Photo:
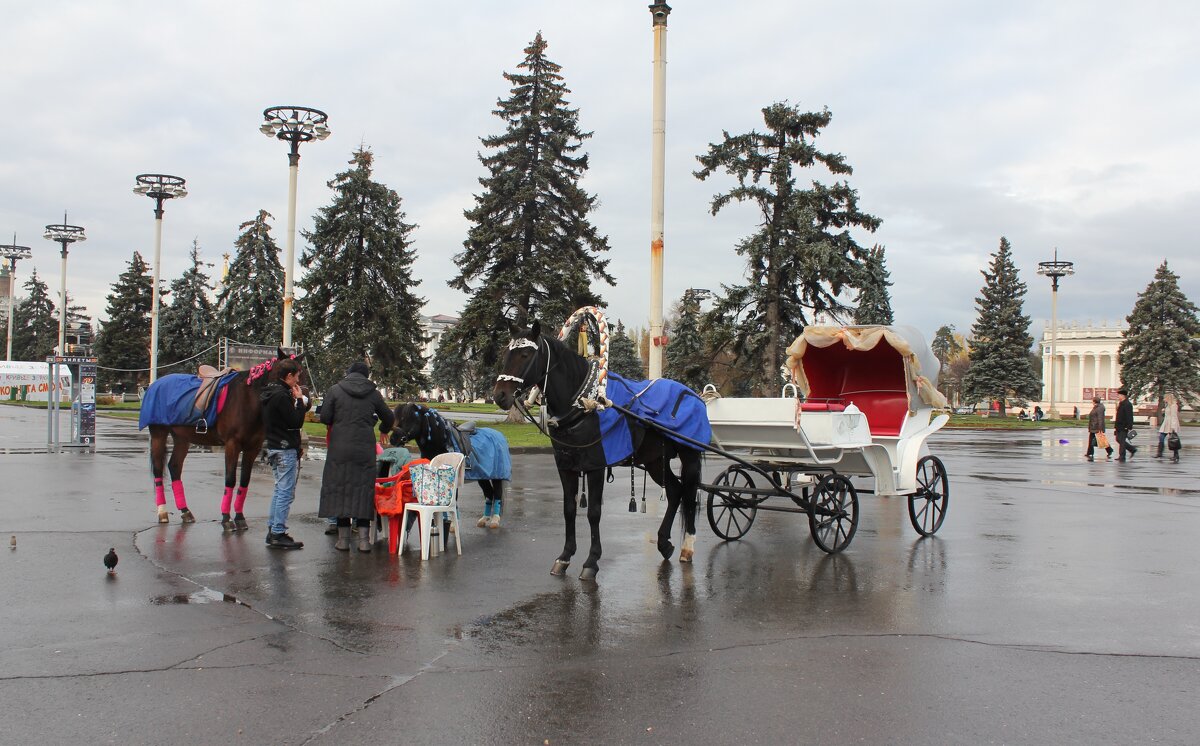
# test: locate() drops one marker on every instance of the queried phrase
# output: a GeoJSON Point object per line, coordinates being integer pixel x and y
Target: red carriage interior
{"type": "Point", "coordinates": [873, 380]}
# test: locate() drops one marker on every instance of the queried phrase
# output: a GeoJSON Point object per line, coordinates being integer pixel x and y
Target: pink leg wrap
{"type": "Point", "coordinates": [240, 501]}
{"type": "Point", "coordinates": [226, 499]}
{"type": "Point", "coordinates": [177, 490]}
{"type": "Point", "coordinates": [160, 495]}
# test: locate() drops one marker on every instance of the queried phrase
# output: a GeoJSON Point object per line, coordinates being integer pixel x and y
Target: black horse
{"type": "Point", "coordinates": [560, 373]}
{"type": "Point", "coordinates": [435, 436]}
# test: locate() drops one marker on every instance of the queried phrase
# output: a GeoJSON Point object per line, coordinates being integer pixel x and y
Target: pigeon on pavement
{"type": "Point", "coordinates": [110, 560]}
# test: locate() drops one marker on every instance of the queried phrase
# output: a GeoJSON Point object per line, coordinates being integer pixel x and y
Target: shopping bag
{"type": "Point", "coordinates": [1101, 440]}
{"type": "Point", "coordinates": [433, 486]}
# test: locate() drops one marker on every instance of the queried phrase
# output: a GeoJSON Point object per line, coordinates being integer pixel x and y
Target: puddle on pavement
{"type": "Point", "coordinates": [202, 596]}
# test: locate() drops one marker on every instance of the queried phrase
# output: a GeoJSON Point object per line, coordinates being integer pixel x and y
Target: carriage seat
{"type": "Point", "coordinates": [885, 410]}
{"type": "Point", "coordinates": [822, 406]}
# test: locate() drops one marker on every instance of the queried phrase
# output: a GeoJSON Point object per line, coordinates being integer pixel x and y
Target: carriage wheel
{"type": "Point", "coordinates": [927, 506]}
{"type": "Point", "coordinates": [729, 515]}
{"type": "Point", "coordinates": [833, 515]}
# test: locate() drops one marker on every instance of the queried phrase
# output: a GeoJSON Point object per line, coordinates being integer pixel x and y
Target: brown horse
{"type": "Point", "coordinates": [239, 428]}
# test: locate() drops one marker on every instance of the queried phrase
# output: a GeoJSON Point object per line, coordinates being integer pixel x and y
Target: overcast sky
{"type": "Point", "coordinates": [1064, 124]}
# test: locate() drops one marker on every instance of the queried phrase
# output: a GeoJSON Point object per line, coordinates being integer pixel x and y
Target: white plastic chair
{"type": "Point", "coordinates": [427, 514]}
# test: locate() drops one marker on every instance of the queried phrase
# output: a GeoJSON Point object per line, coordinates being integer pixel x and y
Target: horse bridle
{"type": "Point", "coordinates": [521, 343]}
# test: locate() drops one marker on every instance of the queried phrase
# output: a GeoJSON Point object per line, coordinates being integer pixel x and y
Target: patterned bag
{"type": "Point", "coordinates": [433, 486]}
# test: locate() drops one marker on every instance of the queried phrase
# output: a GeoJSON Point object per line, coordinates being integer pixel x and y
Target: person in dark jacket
{"type": "Point", "coordinates": [1123, 424]}
{"type": "Point", "coordinates": [284, 405]}
{"type": "Point", "coordinates": [350, 409]}
{"type": "Point", "coordinates": [1096, 426]}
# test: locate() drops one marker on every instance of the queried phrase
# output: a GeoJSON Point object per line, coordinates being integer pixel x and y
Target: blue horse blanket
{"type": "Point", "coordinates": [171, 401]}
{"type": "Point", "coordinates": [670, 404]}
{"type": "Point", "coordinates": [489, 457]}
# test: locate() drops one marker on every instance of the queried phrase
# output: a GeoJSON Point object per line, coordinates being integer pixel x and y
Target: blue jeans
{"type": "Point", "coordinates": [285, 465]}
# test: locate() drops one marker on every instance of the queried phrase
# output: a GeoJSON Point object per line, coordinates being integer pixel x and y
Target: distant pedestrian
{"type": "Point", "coordinates": [1038, 415]}
{"type": "Point", "coordinates": [1096, 428]}
{"type": "Point", "coordinates": [351, 408]}
{"type": "Point", "coordinates": [284, 406]}
{"type": "Point", "coordinates": [1076, 413]}
{"type": "Point", "coordinates": [1169, 427]}
{"type": "Point", "coordinates": [1123, 425]}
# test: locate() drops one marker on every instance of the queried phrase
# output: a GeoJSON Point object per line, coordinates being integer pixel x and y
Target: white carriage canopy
{"type": "Point", "coordinates": [831, 362]}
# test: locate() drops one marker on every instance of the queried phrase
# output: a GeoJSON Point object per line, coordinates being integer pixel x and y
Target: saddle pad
{"type": "Point", "coordinates": [489, 458]}
{"type": "Point", "coordinates": [171, 400]}
{"type": "Point", "coordinates": [670, 404]}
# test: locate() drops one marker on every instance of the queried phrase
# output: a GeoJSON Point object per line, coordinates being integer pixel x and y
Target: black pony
{"type": "Point", "coordinates": [561, 373]}
{"type": "Point", "coordinates": [489, 464]}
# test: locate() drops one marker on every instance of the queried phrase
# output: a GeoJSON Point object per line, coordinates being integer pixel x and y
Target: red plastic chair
{"type": "Point", "coordinates": [391, 494]}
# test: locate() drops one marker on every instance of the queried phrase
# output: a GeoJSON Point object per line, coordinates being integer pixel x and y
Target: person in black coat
{"type": "Point", "coordinates": [1123, 424]}
{"type": "Point", "coordinates": [284, 405]}
{"type": "Point", "coordinates": [350, 409]}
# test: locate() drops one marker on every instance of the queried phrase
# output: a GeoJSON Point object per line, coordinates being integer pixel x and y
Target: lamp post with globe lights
{"type": "Point", "coordinates": [293, 125]}
{"type": "Point", "coordinates": [1054, 269]}
{"type": "Point", "coordinates": [12, 253]}
{"type": "Point", "coordinates": [63, 234]}
{"type": "Point", "coordinates": [160, 188]}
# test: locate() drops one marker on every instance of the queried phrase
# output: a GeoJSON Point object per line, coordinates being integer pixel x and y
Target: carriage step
{"type": "Point", "coordinates": [739, 490]}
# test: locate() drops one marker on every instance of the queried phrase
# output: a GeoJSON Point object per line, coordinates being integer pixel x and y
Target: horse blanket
{"type": "Point", "coordinates": [171, 400]}
{"type": "Point", "coordinates": [670, 404]}
{"type": "Point", "coordinates": [489, 458]}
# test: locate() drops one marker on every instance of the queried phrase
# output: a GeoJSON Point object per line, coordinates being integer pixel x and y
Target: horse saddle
{"type": "Point", "coordinates": [462, 433]}
{"type": "Point", "coordinates": [209, 378]}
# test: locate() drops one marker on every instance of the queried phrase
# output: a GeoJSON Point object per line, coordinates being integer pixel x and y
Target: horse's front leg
{"type": "Point", "coordinates": [249, 454]}
{"type": "Point", "coordinates": [158, 458]}
{"type": "Point", "coordinates": [689, 477]}
{"type": "Point", "coordinates": [660, 472]}
{"type": "Point", "coordinates": [570, 483]}
{"type": "Point", "coordinates": [595, 484]}
{"type": "Point", "coordinates": [179, 451]}
{"type": "Point", "coordinates": [231, 456]}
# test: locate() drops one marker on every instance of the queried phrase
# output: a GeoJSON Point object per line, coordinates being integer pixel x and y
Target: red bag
{"type": "Point", "coordinates": [392, 493]}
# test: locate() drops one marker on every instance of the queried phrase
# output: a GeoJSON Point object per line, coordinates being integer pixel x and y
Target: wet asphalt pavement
{"type": "Point", "coordinates": [1057, 604]}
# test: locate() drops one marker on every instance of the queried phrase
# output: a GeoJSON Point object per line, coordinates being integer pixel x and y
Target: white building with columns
{"type": "Point", "coordinates": [1084, 364]}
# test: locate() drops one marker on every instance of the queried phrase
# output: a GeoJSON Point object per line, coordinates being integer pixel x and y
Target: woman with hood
{"type": "Point", "coordinates": [350, 409]}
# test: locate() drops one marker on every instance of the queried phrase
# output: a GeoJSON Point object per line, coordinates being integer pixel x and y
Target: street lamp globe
{"type": "Point", "coordinates": [1055, 269]}
{"type": "Point", "coordinates": [160, 188]}
{"type": "Point", "coordinates": [13, 253]}
{"type": "Point", "coordinates": [293, 125]}
{"type": "Point", "coordinates": [64, 234]}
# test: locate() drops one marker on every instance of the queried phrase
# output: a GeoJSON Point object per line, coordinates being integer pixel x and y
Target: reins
{"type": "Point", "coordinates": [522, 388]}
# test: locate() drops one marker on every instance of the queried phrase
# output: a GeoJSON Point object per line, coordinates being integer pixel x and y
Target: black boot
{"type": "Point", "coordinates": [1160, 450]}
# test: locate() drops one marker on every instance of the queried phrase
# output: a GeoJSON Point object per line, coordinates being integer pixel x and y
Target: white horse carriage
{"type": "Point", "coordinates": [861, 404]}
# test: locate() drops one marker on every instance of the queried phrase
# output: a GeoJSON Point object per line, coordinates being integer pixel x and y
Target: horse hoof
{"type": "Point", "coordinates": [185, 516]}
{"type": "Point", "coordinates": [239, 524]}
{"type": "Point", "coordinates": [228, 525]}
{"type": "Point", "coordinates": [163, 517]}
{"type": "Point", "coordinates": [494, 522]}
{"type": "Point", "coordinates": [685, 555]}
{"type": "Point", "coordinates": [482, 522]}
{"type": "Point", "coordinates": [666, 549]}
{"type": "Point", "coordinates": [589, 573]}
{"type": "Point", "coordinates": [560, 567]}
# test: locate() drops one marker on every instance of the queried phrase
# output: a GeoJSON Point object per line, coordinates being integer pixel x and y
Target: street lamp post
{"type": "Point", "coordinates": [63, 234]}
{"type": "Point", "coordinates": [12, 253]}
{"type": "Point", "coordinates": [293, 125]}
{"type": "Point", "coordinates": [160, 188]}
{"type": "Point", "coordinates": [1054, 269]}
{"type": "Point", "coordinates": [658, 148]}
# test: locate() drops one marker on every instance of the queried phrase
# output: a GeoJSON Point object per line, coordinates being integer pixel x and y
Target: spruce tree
{"type": "Point", "coordinates": [622, 355]}
{"type": "Point", "coordinates": [360, 297]}
{"type": "Point", "coordinates": [531, 251]}
{"type": "Point", "coordinates": [79, 327]}
{"type": "Point", "coordinates": [1000, 339]}
{"type": "Point", "coordinates": [874, 302]}
{"type": "Point", "coordinates": [685, 354]}
{"type": "Point", "coordinates": [187, 326]}
{"type": "Point", "coordinates": [35, 322]}
{"type": "Point", "coordinates": [945, 347]}
{"type": "Point", "coordinates": [1160, 353]}
{"type": "Point", "coordinates": [802, 255]}
{"type": "Point", "coordinates": [250, 304]}
{"type": "Point", "coordinates": [124, 340]}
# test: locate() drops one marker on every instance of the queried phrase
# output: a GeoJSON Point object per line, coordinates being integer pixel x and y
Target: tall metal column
{"type": "Point", "coordinates": [12, 253]}
{"type": "Point", "coordinates": [160, 188]}
{"type": "Point", "coordinates": [288, 271]}
{"type": "Point", "coordinates": [1054, 270]}
{"type": "Point", "coordinates": [658, 13]}
{"type": "Point", "coordinates": [64, 235]}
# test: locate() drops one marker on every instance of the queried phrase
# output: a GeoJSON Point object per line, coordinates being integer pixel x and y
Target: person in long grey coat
{"type": "Point", "coordinates": [350, 409]}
